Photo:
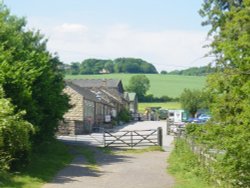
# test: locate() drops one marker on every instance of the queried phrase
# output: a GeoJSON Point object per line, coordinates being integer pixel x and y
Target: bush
{"type": "Point", "coordinates": [124, 116]}
{"type": "Point", "coordinates": [14, 136]}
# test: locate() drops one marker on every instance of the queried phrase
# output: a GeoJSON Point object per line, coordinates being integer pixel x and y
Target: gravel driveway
{"type": "Point", "coordinates": [119, 170]}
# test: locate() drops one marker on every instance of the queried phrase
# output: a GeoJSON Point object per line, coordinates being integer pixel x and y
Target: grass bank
{"type": "Point", "coordinates": [184, 166]}
{"type": "Point", "coordinates": [46, 161]}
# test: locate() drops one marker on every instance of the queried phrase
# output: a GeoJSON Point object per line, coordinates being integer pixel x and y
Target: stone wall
{"type": "Point", "coordinates": [73, 119]}
{"type": "Point", "coordinates": [76, 100]}
{"type": "Point", "coordinates": [70, 128]}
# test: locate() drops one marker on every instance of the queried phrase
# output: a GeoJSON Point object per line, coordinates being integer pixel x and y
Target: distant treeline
{"type": "Point", "coordinates": [119, 65]}
{"type": "Point", "coordinates": [193, 71]}
{"type": "Point", "coordinates": [152, 98]}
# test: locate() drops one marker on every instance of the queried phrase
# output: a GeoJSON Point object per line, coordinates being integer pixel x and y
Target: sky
{"type": "Point", "coordinates": [166, 33]}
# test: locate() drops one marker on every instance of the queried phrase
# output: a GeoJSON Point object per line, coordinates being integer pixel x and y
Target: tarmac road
{"type": "Point", "coordinates": [119, 170]}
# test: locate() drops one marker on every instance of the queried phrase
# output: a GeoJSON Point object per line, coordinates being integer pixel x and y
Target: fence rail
{"type": "Point", "coordinates": [206, 157]}
{"type": "Point", "coordinates": [132, 138]}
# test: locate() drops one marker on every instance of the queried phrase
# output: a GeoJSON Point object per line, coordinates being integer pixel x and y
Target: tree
{"type": "Point", "coordinates": [75, 68]}
{"type": "Point", "coordinates": [230, 86]}
{"type": "Point", "coordinates": [194, 71]}
{"type": "Point", "coordinates": [192, 101]}
{"type": "Point", "coordinates": [31, 77]}
{"type": "Point", "coordinates": [119, 65]}
{"type": "Point", "coordinates": [133, 65]}
{"type": "Point", "coordinates": [139, 84]}
{"type": "Point", "coordinates": [109, 66]}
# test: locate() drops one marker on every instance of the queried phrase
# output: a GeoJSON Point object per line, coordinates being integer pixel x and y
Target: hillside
{"type": "Point", "coordinates": [170, 85]}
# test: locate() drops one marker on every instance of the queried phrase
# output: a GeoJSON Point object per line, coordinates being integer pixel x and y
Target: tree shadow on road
{"type": "Point", "coordinates": [88, 162]}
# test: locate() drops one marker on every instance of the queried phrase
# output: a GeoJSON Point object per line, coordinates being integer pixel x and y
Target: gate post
{"type": "Point", "coordinates": [104, 143]}
{"type": "Point", "coordinates": [131, 139]}
{"type": "Point", "coordinates": [168, 126]}
{"type": "Point", "coordinates": [159, 136]}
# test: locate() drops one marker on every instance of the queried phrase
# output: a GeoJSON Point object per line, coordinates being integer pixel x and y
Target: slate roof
{"type": "Point", "coordinates": [91, 83]}
{"type": "Point", "coordinates": [84, 92]}
{"type": "Point", "coordinates": [88, 94]}
{"type": "Point", "coordinates": [107, 88]}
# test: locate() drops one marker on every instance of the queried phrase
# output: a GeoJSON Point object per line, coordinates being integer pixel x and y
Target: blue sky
{"type": "Point", "coordinates": [165, 33]}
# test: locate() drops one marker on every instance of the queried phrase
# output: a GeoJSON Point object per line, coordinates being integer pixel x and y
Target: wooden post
{"type": "Point", "coordinates": [159, 136]}
{"type": "Point", "coordinates": [131, 139]}
{"type": "Point", "coordinates": [168, 127]}
{"type": "Point", "coordinates": [104, 143]}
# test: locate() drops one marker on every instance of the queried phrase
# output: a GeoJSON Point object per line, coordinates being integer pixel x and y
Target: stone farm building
{"type": "Point", "coordinates": [94, 102]}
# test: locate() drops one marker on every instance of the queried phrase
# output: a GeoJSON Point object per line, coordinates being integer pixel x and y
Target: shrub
{"type": "Point", "coordinates": [14, 136]}
{"type": "Point", "coordinates": [124, 115]}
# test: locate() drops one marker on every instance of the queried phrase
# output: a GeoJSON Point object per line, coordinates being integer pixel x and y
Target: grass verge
{"type": "Point", "coordinates": [110, 151]}
{"type": "Point", "coordinates": [184, 165]}
{"type": "Point", "coordinates": [143, 150]}
{"type": "Point", "coordinates": [46, 161]}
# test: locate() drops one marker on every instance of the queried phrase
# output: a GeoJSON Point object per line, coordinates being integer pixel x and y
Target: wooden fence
{"type": "Point", "coordinates": [133, 138]}
{"type": "Point", "coordinates": [206, 156]}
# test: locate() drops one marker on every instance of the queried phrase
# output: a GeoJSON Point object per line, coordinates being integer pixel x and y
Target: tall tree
{"type": "Point", "coordinates": [192, 101]}
{"type": "Point", "coordinates": [230, 85]}
{"type": "Point", "coordinates": [30, 75]}
{"type": "Point", "coordinates": [75, 68]}
{"type": "Point", "coordinates": [139, 84]}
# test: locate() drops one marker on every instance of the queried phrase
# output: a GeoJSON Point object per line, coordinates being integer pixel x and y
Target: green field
{"type": "Point", "coordinates": [169, 85]}
{"type": "Point", "coordinates": [165, 105]}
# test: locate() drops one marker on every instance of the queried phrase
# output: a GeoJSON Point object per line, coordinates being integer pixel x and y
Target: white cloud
{"type": "Point", "coordinates": [71, 28]}
{"type": "Point", "coordinates": [167, 50]}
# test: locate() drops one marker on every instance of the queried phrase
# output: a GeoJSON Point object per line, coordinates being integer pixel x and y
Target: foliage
{"type": "Point", "coordinates": [194, 71]}
{"type": "Point", "coordinates": [193, 129]}
{"type": "Point", "coordinates": [184, 165]}
{"type": "Point", "coordinates": [46, 160]}
{"type": "Point", "coordinates": [119, 65]}
{"type": "Point", "coordinates": [30, 75]}
{"type": "Point", "coordinates": [14, 136]}
{"type": "Point", "coordinates": [160, 85]}
{"type": "Point", "coordinates": [192, 100]}
{"type": "Point", "coordinates": [164, 72]}
{"type": "Point", "coordinates": [151, 98]}
{"type": "Point", "coordinates": [229, 87]}
{"type": "Point", "coordinates": [139, 84]}
{"type": "Point", "coordinates": [124, 116]}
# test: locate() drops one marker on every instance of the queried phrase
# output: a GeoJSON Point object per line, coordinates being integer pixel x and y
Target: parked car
{"type": "Point", "coordinates": [194, 120]}
{"type": "Point", "coordinates": [204, 117]}
{"type": "Point", "coordinates": [163, 113]}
